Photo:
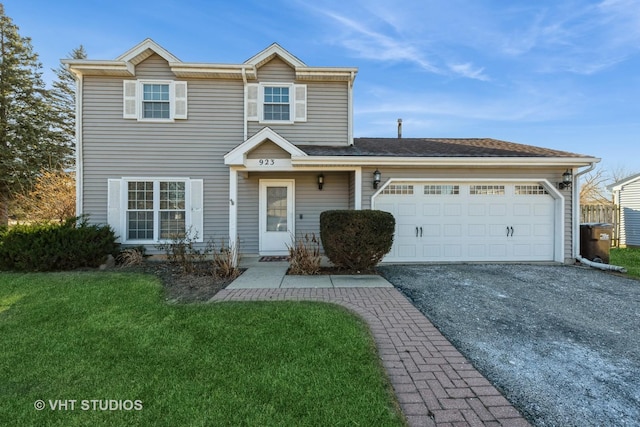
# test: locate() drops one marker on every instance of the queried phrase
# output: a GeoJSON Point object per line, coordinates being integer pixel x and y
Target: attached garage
{"type": "Point", "coordinates": [474, 220]}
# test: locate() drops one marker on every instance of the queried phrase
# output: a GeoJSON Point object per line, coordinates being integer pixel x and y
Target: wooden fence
{"type": "Point", "coordinates": [609, 214]}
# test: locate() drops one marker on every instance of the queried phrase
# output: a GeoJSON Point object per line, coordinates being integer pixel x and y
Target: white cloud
{"type": "Point", "coordinates": [374, 45]}
{"type": "Point", "coordinates": [469, 71]}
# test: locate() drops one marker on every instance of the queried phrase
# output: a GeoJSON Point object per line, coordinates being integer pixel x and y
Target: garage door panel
{"type": "Point", "coordinates": [477, 209]}
{"type": "Point", "coordinates": [431, 209]}
{"type": "Point", "coordinates": [521, 230]}
{"type": "Point", "coordinates": [498, 251]}
{"type": "Point", "coordinates": [452, 209]}
{"type": "Point", "coordinates": [472, 225]}
{"type": "Point", "coordinates": [453, 251]}
{"type": "Point", "coordinates": [477, 251]}
{"type": "Point", "coordinates": [522, 250]}
{"type": "Point", "coordinates": [407, 251]}
{"type": "Point", "coordinates": [477, 230]}
{"type": "Point", "coordinates": [542, 251]}
{"type": "Point", "coordinates": [407, 230]}
{"type": "Point", "coordinates": [499, 210]}
{"type": "Point", "coordinates": [431, 251]}
{"type": "Point", "coordinates": [431, 230]}
{"type": "Point", "coordinates": [452, 230]}
{"type": "Point", "coordinates": [497, 230]}
{"type": "Point", "coordinates": [542, 230]}
{"type": "Point", "coordinates": [521, 209]}
{"type": "Point", "coordinates": [543, 210]}
{"type": "Point", "coordinates": [407, 209]}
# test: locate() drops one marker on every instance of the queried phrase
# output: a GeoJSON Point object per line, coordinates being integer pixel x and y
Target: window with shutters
{"type": "Point", "coordinates": [276, 102]}
{"type": "Point", "coordinates": [143, 210]}
{"type": "Point", "coordinates": [155, 100]}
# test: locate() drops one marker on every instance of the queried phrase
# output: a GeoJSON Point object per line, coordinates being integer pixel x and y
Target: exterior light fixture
{"type": "Point", "coordinates": [376, 179]}
{"type": "Point", "coordinates": [320, 181]}
{"type": "Point", "coordinates": [567, 180]}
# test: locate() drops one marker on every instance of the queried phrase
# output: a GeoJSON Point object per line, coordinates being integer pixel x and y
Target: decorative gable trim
{"type": "Point", "coordinates": [238, 156]}
{"type": "Point", "coordinates": [269, 53]}
{"type": "Point", "coordinates": [145, 49]}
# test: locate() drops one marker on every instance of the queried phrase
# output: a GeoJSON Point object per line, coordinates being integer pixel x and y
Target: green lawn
{"type": "Point", "coordinates": [628, 258]}
{"type": "Point", "coordinates": [109, 336]}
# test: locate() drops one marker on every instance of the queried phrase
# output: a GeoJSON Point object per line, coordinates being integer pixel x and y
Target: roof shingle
{"type": "Point", "coordinates": [435, 147]}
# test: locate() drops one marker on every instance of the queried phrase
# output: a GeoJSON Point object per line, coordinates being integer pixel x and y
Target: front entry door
{"type": "Point", "coordinates": [276, 216]}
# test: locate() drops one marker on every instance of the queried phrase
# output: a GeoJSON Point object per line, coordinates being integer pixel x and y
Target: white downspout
{"type": "Point", "coordinates": [244, 80]}
{"type": "Point", "coordinates": [350, 109]}
{"type": "Point", "coordinates": [79, 154]}
{"type": "Point", "coordinates": [576, 228]}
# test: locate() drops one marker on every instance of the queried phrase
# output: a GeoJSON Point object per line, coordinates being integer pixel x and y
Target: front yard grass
{"type": "Point", "coordinates": [110, 337]}
{"type": "Point", "coordinates": [628, 258]}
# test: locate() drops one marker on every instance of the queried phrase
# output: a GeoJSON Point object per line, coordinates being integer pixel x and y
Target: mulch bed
{"type": "Point", "coordinates": [178, 286]}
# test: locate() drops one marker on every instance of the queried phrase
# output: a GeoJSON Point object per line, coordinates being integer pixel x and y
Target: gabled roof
{"type": "Point", "coordinates": [447, 150]}
{"type": "Point", "coordinates": [124, 65]}
{"type": "Point", "coordinates": [626, 181]}
{"type": "Point", "coordinates": [145, 49]}
{"type": "Point", "coordinates": [271, 52]}
{"type": "Point", "coordinates": [238, 155]}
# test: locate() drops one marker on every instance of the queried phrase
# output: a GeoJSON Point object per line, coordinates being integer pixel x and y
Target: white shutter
{"type": "Point", "coordinates": [252, 102]}
{"type": "Point", "coordinates": [130, 102]}
{"type": "Point", "coordinates": [114, 210]}
{"type": "Point", "coordinates": [300, 103]}
{"type": "Point", "coordinates": [197, 217]}
{"type": "Point", "coordinates": [180, 100]}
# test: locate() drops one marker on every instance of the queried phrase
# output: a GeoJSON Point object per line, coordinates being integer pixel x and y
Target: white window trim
{"type": "Point", "coordinates": [292, 103]}
{"type": "Point", "coordinates": [189, 208]}
{"type": "Point", "coordinates": [172, 100]}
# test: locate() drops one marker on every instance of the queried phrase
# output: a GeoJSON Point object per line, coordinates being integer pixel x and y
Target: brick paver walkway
{"type": "Point", "coordinates": [434, 383]}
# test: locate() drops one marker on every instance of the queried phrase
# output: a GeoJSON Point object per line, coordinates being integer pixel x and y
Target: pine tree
{"type": "Point", "coordinates": [29, 141]}
{"type": "Point", "coordinates": [63, 98]}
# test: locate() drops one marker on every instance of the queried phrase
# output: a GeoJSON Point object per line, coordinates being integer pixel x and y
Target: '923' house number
{"type": "Point", "coordinates": [266, 162]}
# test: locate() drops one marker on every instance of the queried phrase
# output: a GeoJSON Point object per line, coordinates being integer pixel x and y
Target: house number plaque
{"type": "Point", "coordinates": [266, 162]}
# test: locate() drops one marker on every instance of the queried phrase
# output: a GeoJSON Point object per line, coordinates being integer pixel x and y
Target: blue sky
{"type": "Point", "coordinates": [558, 74]}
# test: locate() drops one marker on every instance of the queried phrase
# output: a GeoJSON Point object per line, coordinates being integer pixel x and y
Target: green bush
{"type": "Point", "coordinates": [54, 247]}
{"type": "Point", "coordinates": [356, 240]}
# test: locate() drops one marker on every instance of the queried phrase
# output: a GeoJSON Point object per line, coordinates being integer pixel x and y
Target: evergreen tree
{"type": "Point", "coordinates": [63, 98]}
{"type": "Point", "coordinates": [29, 141]}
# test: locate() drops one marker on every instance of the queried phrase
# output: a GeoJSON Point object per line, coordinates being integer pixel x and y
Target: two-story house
{"type": "Point", "coordinates": [254, 152]}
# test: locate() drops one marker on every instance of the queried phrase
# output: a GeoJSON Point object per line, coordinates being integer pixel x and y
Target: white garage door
{"type": "Point", "coordinates": [469, 222]}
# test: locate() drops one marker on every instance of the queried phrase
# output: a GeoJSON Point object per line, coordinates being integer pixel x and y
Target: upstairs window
{"type": "Point", "coordinates": [154, 100]}
{"type": "Point", "coordinates": [276, 102]}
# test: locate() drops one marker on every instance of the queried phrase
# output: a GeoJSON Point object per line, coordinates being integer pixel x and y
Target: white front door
{"type": "Point", "coordinates": [277, 216]}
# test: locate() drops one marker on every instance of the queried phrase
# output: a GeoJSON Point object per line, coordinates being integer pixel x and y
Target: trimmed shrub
{"type": "Point", "coordinates": [356, 240]}
{"type": "Point", "coordinates": [56, 247]}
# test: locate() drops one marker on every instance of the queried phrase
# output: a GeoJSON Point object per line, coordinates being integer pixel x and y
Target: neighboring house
{"type": "Point", "coordinates": [256, 151]}
{"type": "Point", "coordinates": [626, 195]}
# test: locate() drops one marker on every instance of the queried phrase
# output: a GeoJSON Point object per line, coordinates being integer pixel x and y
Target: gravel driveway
{"type": "Point", "coordinates": [561, 342]}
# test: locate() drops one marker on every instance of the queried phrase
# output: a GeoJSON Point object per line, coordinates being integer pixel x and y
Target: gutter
{"type": "Point", "coordinates": [576, 230]}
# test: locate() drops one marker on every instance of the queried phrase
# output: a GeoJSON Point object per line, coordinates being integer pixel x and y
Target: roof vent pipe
{"type": "Point", "coordinates": [399, 128]}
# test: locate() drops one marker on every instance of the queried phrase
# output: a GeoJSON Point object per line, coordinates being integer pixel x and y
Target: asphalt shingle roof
{"type": "Point", "coordinates": [435, 147]}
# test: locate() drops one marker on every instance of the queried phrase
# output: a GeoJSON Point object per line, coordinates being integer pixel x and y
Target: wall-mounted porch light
{"type": "Point", "coordinates": [567, 179]}
{"type": "Point", "coordinates": [377, 176]}
{"type": "Point", "coordinates": [320, 181]}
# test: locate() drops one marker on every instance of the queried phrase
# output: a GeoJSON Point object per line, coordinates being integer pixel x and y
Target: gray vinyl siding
{"type": "Point", "coordinates": [552, 175]}
{"type": "Point", "coordinates": [309, 203]}
{"type": "Point", "coordinates": [630, 214]}
{"type": "Point", "coordinates": [327, 109]}
{"type": "Point", "coordinates": [114, 147]}
{"type": "Point", "coordinates": [268, 150]}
